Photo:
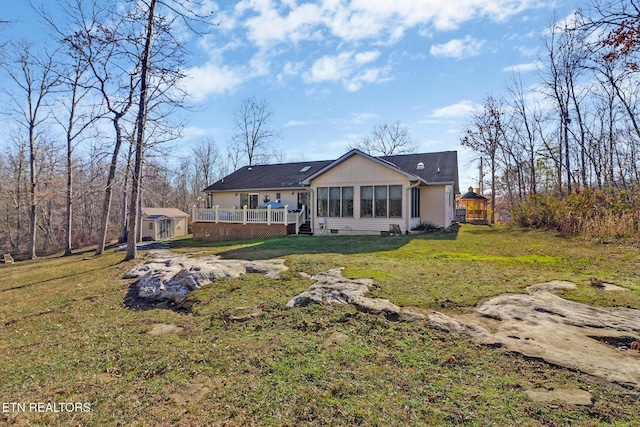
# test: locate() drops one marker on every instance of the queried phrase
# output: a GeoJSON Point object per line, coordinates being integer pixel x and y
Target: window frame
{"type": "Point", "coordinates": [331, 202]}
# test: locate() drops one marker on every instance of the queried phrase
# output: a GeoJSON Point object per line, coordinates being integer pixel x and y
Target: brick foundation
{"type": "Point", "coordinates": [212, 232]}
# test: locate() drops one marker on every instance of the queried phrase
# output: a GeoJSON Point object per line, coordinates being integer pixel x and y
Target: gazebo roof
{"type": "Point", "coordinates": [471, 195]}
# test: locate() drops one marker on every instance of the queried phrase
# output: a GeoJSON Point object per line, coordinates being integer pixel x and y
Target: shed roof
{"type": "Point", "coordinates": [170, 212]}
{"type": "Point", "coordinates": [155, 217]}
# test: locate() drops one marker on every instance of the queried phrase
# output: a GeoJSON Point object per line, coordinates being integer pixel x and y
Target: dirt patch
{"type": "Point", "coordinates": [163, 329]}
{"type": "Point", "coordinates": [571, 396]}
{"type": "Point", "coordinates": [242, 314]}
{"type": "Point", "coordinates": [190, 394]}
{"type": "Point", "coordinates": [335, 340]}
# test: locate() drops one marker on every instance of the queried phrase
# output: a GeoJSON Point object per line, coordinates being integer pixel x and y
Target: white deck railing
{"type": "Point", "coordinates": [250, 216]}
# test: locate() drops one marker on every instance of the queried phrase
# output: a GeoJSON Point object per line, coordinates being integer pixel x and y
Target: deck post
{"type": "Point", "coordinates": [216, 214]}
{"type": "Point", "coordinates": [286, 214]}
{"type": "Point", "coordinates": [244, 215]}
{"type": "Point", "coordinates": [268, 214]}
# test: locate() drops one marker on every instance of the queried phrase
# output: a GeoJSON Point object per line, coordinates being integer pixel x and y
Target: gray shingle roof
{"type": "Point", "coordinates": [441, 167]}
{"type": "Point", "coordinates": [282, 175]}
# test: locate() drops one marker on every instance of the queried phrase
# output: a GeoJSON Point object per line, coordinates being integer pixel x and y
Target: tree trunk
{"type": "Point", "coordinates": [140, 127]}
{"type": "Point", "coordinates": [32, 193]}
{"type": "Point", "coordinates": [108, 191]}
{"type": "Point", "coordinates": [69, 213]}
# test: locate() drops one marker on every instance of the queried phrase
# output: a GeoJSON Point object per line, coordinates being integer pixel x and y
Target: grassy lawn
{"type": "Point", "coordinates": [66, 337]}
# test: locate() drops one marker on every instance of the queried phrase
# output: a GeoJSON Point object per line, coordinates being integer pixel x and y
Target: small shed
{"type": "Point", "coordinates": [471, 207]}
{"type": "Point", "coordinates": [157, 227]}
{"type": "Point", "coordinates": [180, 219]}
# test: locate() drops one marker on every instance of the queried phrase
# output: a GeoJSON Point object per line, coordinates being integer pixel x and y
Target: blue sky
{"type": "Point", "coordinates": [333, 69]}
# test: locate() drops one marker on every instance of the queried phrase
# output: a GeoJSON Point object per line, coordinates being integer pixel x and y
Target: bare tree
{"type": "Point", "coordinates": [160, 56]}
{"type": "Point", "coordinates": [95, 35]}
{"type": "Point", "coordinates": [485, 135]}
{"type": "Point", "coordinates": [205, 156]}
{"type": "Point", "coordinates": [35, 79]}
{"type": "Point", "coordinates": [387, 140]}
{"type": "Point", "coordinates": [75, 124]}
{"type": "Point", "coordinates": [253, 136]}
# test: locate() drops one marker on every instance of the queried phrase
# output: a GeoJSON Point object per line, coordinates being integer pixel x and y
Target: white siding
{"type": "Point", "coordinates": [226, 200]}
{"type": "Point", "coordinates": [355, 172]}
{"type": "Point", "coordinates": [181, 227]}
{"type": "Point", "coordinates": [449, 206]}
{"type": "Point", "coordinates": [432, 203]}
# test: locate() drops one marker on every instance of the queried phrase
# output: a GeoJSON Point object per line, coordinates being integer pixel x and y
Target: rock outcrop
{"type": "Point", "coordinates": [566, 333]}
{"type": "Point", "coordinates": [167, 276]}
{"type": "Point", "coordinates": [332, 288]}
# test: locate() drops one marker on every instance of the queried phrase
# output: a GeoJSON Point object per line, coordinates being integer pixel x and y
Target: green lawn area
{"type": "Point", "coordinates": [67, 337]}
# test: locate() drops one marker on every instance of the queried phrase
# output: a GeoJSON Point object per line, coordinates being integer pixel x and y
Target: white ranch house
{"type": "Point", "coordinates": [354, 194]}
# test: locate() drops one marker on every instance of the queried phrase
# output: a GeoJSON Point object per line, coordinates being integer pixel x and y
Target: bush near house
{"type": "Point", "coordinates": [427, 226]}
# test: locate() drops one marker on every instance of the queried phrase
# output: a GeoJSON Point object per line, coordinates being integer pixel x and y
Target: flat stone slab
{"type": "Point", "coordinates": [332, 288]}
{"type": "Point", "coordinates": [167, 276]}
{"type": "Point", "coordinates": [571, 396]}
{"type": "Point", "coordinates": [566, 333]}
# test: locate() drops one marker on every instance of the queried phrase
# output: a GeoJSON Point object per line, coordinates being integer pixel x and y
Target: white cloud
{"type": "Point", "coordinates": [523, 68]}
{"type": "Point", "coordinates": [211, 79]}
{"type": "Point", "coordinates": [266, 32]}
{"type": "Point", "coordinates": [461, 109]}
{"type": "Point", "coordinates": [347, 67]}
{"type": "Point", "coordinates": [358, 118]}
{"type": "Point", "coordinates": [294, 123]}
{"type": "Point", "coordinates": [366, 57]}
{"type": "Point", "coordinates": [269, 22]}
{"type": "Point", "coordinates": [331, 68]}
{"type": "Point", "coordinates": [458, 48]}
{"type": "Point", "coordinates": [289, 70]}
{"type": "Point", "coordinates": [529, 51]}
{"type": "Point", "coordinates": [371, 75]}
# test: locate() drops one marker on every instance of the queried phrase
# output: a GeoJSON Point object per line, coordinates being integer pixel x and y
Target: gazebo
{"type": "Point", "coordinates": [471, 207]}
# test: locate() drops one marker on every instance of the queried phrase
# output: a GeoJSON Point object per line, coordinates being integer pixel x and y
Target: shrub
{"type": "Point", "coordinates": [427, 226]}
{"type": "Point", "coordinates": [596, 213]}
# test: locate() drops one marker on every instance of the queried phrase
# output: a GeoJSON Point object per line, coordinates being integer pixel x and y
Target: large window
{"type": "Point", "coordinates": [381, 201]}
{"type": "Point", "coordinates": [415, 202]}
{"type": "Point", "coordinates": [323, 201]}
{"type": "Point", "coordinates": [395, 200]}
{"type": "Point", "coordinates": [347, 201]}
{"type": "Point", "coordinates": [335, 201]}
{"type": "Point", "coordinates": [366, 202]}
